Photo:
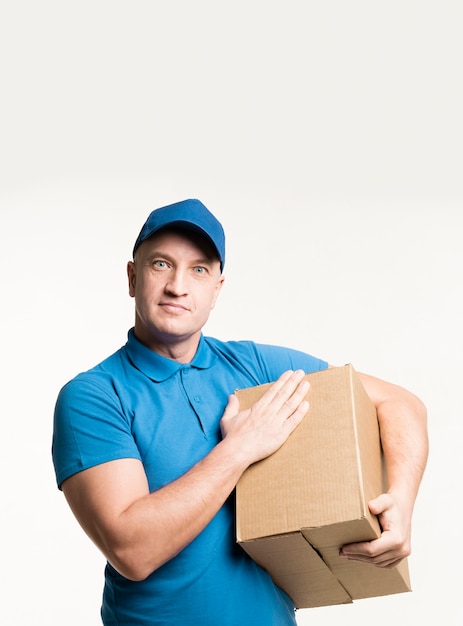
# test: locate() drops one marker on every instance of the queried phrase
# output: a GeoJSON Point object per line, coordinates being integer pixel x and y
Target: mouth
{"type": "Point", "coordinates": [173, 307]}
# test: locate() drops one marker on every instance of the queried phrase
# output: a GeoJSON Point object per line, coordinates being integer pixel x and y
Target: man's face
{"type": "Point", "coordinates": [175, 280]}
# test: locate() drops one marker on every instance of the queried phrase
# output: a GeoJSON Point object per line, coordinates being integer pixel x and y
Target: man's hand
{"type": "Point", "coordinates": [393, 545]}
{"type": "Point", "coordinates": [264, 427]}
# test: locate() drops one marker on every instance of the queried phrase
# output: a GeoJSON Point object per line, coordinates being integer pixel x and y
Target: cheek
{"type": "Point", "coordinates": [211, 298]}
{"type": "Point", "coordinates": [216, 294]}
{"type": "Point", "coordinates": [143, 293]}
{"type": "Point", "coordinates": [214, 300]}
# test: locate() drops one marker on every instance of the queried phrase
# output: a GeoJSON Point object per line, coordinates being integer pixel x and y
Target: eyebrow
{"type": "Point", "coordinates": [203, 260]}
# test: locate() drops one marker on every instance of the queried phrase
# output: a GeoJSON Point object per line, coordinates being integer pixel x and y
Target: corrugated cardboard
{"type": "Point", "coordinates": [296, 508]}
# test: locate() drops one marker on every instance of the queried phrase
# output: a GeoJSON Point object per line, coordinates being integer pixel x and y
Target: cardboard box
{"type": "Point", "coordinates": [296, 508]}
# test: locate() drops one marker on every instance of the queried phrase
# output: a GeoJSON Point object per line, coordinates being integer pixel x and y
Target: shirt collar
{"type": "Point", "coordinates": [160, 368]}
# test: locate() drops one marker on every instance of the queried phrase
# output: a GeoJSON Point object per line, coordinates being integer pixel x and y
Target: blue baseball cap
{"type": "Point", "coordinates": [191, 215]}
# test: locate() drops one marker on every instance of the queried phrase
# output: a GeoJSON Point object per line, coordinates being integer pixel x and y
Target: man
{"type": "Point", "coordinates": [149, 445]}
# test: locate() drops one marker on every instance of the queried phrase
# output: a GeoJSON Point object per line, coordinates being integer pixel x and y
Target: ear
{"type": "Point", "coordinates": [131, 275]}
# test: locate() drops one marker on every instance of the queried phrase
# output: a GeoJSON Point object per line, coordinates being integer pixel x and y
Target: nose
{"type": "Point", "coordinates": [176, 285]}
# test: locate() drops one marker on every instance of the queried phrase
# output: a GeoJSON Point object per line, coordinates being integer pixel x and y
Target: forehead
{"type": "Point", "coordinates": [180, 240]}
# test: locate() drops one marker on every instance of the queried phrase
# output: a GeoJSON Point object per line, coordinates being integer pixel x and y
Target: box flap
{"type": "Point", "coordinates": [298, 569]}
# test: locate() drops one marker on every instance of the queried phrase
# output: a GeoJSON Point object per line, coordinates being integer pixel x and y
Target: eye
{"type": "Point", "coordinates": [160, 264]}
{"type": "Point", "coordinates": [199, 269]}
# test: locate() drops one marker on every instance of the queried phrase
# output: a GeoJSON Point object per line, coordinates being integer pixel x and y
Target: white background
{"type": "Point", "coordinates": [327, 137]}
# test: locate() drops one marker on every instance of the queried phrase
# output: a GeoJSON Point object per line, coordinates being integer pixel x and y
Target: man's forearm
{"type": "Point", "coordinates": [158, 526]}
{"type": "Point", "coordinates": [402, 419]}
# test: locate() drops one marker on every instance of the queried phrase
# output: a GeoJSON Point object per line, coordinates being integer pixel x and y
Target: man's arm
{"type": "Point", "coordinates": [403, 427]}
{"type": "Point", "coordinates": [138, 531]}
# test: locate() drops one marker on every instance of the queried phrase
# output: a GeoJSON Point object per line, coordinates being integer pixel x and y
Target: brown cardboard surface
{"type": "Point", "coordinates": [297, 561]}
{"type": "Point", "coordinates": [311, 497]}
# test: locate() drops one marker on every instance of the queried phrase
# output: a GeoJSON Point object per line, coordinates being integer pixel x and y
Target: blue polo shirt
{"type": "Point", "coordinates": [138, 404]}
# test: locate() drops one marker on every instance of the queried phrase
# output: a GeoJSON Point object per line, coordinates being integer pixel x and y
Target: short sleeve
{"type": "Point", "coordinates": [89, 427]}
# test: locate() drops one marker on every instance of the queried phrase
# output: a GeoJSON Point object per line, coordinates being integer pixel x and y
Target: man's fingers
{"type": "Point", "coordinates": [296, 405]}
{"type": "Point", "coordinates": [386, 560]}
{"type": "Point", "coordinates": [283, 387]}
{"type": "Point", "coordinates": [382, 552]}
{"type": "Point", "coordinates": [266, 424]}
{"type": "Point", "coordinates": [380, 504]}
{"type": "Point", "coordinates": [287, 393]}
{"type": "Point", "coordinates": [293, 404]}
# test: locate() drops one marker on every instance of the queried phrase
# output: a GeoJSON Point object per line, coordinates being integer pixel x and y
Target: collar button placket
{"type": "Point", "coordinates": [191, 392]}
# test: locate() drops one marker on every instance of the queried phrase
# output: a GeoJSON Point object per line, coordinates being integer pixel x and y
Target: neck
{"type": "Point", "coordinates": [181, 350]}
